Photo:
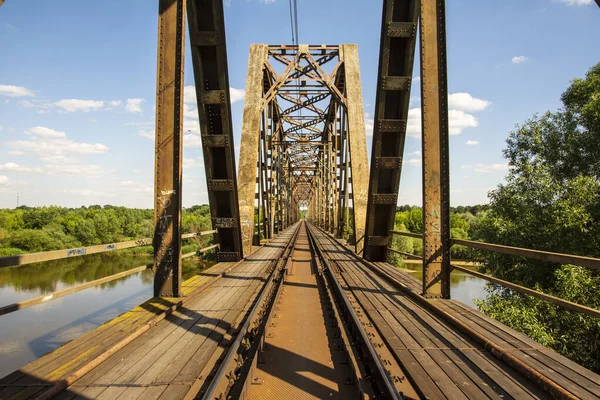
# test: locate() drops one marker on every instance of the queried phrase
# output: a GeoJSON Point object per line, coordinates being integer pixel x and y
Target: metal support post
{"type": "Point", "coordinates": [167, 166]}
{"type": "Point", "coordinates": [436, 179]}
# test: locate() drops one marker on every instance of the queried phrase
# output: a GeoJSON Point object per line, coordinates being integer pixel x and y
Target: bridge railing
{"type": "Point", "coordinates": [53, 255]}
{"type": "Point", "coordinates": [588, 262]}
{"type": "Point", "coordinates": [22, 259]}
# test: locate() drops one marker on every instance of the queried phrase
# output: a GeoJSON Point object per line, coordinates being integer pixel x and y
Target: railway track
{"type": "Point", "coordinates": [365, 376]}
{"type": "Point", "coordinates": [442, 348]}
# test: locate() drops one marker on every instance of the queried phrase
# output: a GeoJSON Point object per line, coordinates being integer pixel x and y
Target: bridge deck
{"type": "Point", "coordinates": [440, 361]}
{"type": "Point", "coordinates": [168, 359]}
{"type": "Point", "coordinates": [178, 355]}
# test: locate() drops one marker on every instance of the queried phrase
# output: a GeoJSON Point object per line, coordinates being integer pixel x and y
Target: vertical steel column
{"type": "Point", "coordinates": [253, 107]}
{"type": "Point", "coordinates": [436, 193]}
{"type": "Point", "coordinates": [209, 56]}
{"type": "Point", "coordinates": [167, 166]}
{"type": "Point", "coordinates": [396, 59]}
{"type": "Point", "coordinates": [357, 140]}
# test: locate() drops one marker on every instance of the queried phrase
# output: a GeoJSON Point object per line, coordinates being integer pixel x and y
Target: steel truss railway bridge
{"type": "Point", "coordinates": [292, 310]}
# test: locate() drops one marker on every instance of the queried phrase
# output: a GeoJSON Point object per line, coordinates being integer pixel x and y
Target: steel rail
{"type": "Point", "coordinates": [545, 383]}
{"type": "Point", "coordinates": [23, 259]}
{"type": "Point", "coordinates": [387, 384]}
{"type": "Point", "coordinates": [592, 312]}
{"type": "Point", "coordinates": [223, 372]}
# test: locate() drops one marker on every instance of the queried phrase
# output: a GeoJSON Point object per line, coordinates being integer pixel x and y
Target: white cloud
{"type": "Point", "coordinates": [139, 123]}
{"type": "Point", "coordinates": [3, 179]}
{"type": "Point", "coordinates": [16, 153]}
{"type": "Point", "coordinates": [575, 2]}
{"type": "Point", "coordinates": [369, 124]}
{"type": "Point", "coordinates": [134, 105]}
{"type": "Point", "coordinates": [190, 112]}
{"type": "Point", "coordinates": [459, 121]}
{"type": "Point", "coordinates": [466, 102]}
{"type": "Point", "coordinates": [472, 142]}
{"type": "Point", "coordinates": [236, 94]}
{"type": "Point", "coordinates": [15, 91]}
{"type": "Point", "coordinates": [54, 146]}
{"type": "Point", "coordinates": [267, 1]}
{"type": "Point", "coordinates": [72, 105]}
{"type": "Point", "coordinates": [189, 94]}
{"type": "Point", "coordinates": [193, 163]}
{"type": "Point", "coordinates": [519, 59]}
{"type": "Point", "coordinates": [90, 171]}
{"type": "Point", "coordinates": [192, 140]}
{"type": "Point", "coordinates": [413, 161]}
{"type": "Point", "coordinates": [486, 167]}
{"type": "Point", "coordinates": [147, 134]}
{"type": "Point", "coordinates": [26, 104]}
{"type": "Point", "coordinates": [41, 131]}
{"type": "Point", "coordinates": [413, 126]}
{"type": "Point", "coordinates": [115, 103]}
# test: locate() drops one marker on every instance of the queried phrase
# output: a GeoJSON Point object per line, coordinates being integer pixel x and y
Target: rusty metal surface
{"type": "Point", "coordinates": [300, 360]}
{"type": "Point", "coordinates": [167, 167]}
{"type": "Point", "coordinates": [209, 56]}
{"type": "Point", "coordinates": [250, 142]}
{"type": "Point", "coordinates": [436, 171]}
{"type": "Point", "coordinates": [357, 141]}
{"type": "Point", "coordinates": [396, 59]}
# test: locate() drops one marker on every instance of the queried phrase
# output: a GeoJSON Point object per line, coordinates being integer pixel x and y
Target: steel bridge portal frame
{"type": "Point", "coordinates": [303, 131]}
{"type": "Point", "coordinates": [303, 126]}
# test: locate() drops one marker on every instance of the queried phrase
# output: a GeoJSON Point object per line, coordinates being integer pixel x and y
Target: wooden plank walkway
{"type": "Point", "coordinates": [441, 362]}
{"type": "Point", "coordinates": [169, 359]}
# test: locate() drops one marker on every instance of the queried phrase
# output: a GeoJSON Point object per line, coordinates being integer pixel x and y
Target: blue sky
{"type": "Point", "coordinates": [77, 88]}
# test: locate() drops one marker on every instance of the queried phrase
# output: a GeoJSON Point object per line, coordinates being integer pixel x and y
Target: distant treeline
{"type": "Point", "coordinates": [33, 229]}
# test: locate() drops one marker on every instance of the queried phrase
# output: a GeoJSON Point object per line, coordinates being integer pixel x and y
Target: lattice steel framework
{"type": "Point", "coordinates": [302, 121]}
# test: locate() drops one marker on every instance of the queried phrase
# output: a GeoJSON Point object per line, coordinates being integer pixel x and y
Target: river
{"type": "Point", "coordinates": [463, 287]}
{"type": "Point", "coordinates": [28, 334]}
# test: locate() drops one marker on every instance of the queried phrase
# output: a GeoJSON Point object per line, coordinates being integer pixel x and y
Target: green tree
{"type": "Point", "coordinates": [550, 202]}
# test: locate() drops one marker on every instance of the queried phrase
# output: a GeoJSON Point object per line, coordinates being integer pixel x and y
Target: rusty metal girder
{"type": "Point", "coordinates": [167, 165]}
{"type": "Point", "coordinates": [253, 107]}
{"type": "Point", "coordinates": [357, 141]}
{"type": "Point", "coordinates": [436, 171]}
{"type": "Point", "coordinates": [396, 59]}
{"type": "Point", "coordinates": [209, 56]}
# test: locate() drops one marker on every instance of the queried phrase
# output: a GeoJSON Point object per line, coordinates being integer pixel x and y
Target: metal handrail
{"type": "Point", "coordinates": [588, 262]}
{"type": "Point", "coordinates": [61, 293]}
{"type": "Point", "coordinates": [22, 259]}
{"type": "Point", "coordinates": [55, 295]}
{"type": "Point", "coordinates": [407, 234]}
{"type": "Point", "coordinates": [534, 293]}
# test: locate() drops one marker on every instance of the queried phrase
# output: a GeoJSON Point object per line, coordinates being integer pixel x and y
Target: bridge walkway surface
{"type": "Point", "coordinates": [301, 357]}
{"type": "Point", "coordinates": [440, 358]}
{"type": "Point", "coordinates": [170, 355]}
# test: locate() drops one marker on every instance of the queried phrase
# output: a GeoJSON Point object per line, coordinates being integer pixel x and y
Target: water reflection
{"type": "Point", "coordinates": [463, 287]}
{"type": "Point", "coordinates": [29, 334]}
